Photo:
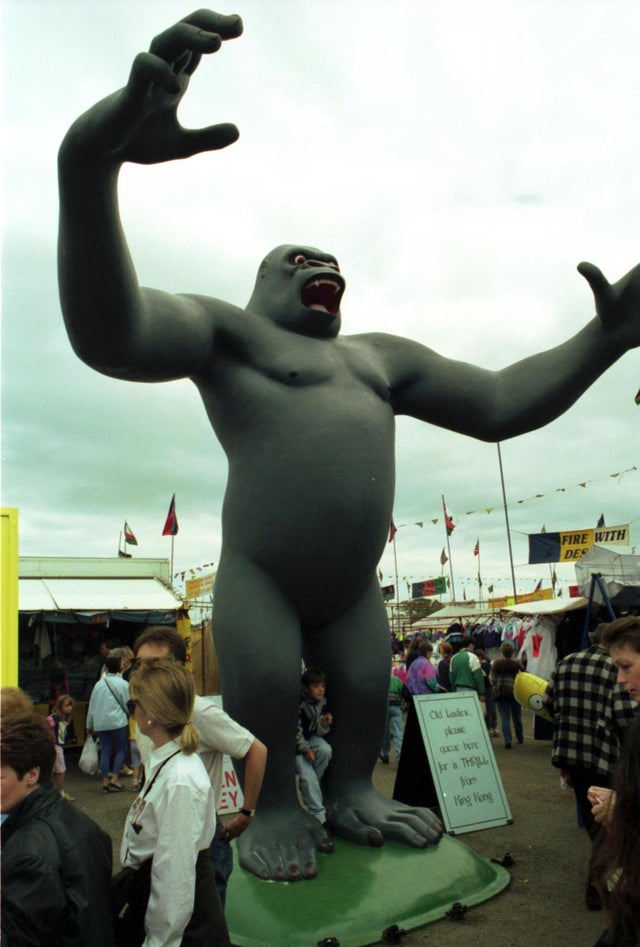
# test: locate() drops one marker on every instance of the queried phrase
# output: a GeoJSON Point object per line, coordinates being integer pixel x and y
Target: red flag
{"type": "Point", "coordinates": [393, 529]}
{"type": "Point", "coordinates": [448, 522]}
{"type": "Point", "coordinates": [171, 525]}
{"type": "Point", "coordinates": [476, 550]}
{"type": "Point", "coordinates": [128, 535]}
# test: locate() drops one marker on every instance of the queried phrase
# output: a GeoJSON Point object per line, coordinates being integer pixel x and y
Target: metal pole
{"type": "Point", "coordinates": [395, 561]}
{"type": "Point", "coordinates": [453, 587]}
{"type": "Point", "coordinates": [506, 519]}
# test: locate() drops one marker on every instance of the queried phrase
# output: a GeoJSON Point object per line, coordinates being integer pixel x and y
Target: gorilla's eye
{"type": "Point", "coordinates": [299, 258]}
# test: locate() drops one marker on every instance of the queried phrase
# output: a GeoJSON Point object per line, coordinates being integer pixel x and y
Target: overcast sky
{"type": "Point", "coordinates": [459, 158]}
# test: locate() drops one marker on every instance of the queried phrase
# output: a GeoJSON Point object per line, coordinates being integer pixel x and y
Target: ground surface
{"type": "Point", "coordinates": [544, 904]}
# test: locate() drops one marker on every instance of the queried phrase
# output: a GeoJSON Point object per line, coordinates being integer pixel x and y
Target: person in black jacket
{"type": "Point", "coordinates": [56, 862]}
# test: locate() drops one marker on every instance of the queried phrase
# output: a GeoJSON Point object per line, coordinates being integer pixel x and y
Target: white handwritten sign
{"type": "Point", "coordinates": [463, 765]}
{"type": "Point", "coordinates": [231, 798]}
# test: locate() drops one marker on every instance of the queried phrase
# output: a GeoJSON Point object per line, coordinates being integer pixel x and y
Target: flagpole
{"type": "Point", "coordinates": [479, 578]}
{"type": "Point", "coordinates": [172, 538]}
{"type": "Point", "coordinates": [395, 562]}
{"type": "Point", "coordinates": [506, 518]}
{"type": "Point", "coordinates": [119, 543]}
{"type": "Point", "coordinates": [453, 587]}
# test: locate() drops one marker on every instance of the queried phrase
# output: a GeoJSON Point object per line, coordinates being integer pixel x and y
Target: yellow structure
{"type": "Point", "coordinates": [9, 598]}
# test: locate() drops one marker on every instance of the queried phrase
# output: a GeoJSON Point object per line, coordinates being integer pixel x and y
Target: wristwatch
{"type": "Point", "coordinates": [249, 813]}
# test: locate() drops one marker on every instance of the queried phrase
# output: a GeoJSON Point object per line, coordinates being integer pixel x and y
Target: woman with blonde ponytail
{"type": "Point", "coordinates": [168, 830]}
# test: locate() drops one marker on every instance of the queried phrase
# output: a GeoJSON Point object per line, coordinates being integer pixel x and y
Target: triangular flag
{"type": "Point", "coordinates": [476, 550]}
{"type": "Point", "coordinates": [600, 522]}
{"type": "Point", "coordinates": [128, 535]}
{"type": "Point", "coordinates": [393, 529]}
{"type": "Point", "coordinates": [443, 557]}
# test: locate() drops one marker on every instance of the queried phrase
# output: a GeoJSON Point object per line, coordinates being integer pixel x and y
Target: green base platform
{"type": "Point", "coordinates": [358, 893]}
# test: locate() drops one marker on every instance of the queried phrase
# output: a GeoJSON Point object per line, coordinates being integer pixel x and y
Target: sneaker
{"type": "Point", "coordinates": [126, 771]}
{"type": "Point", "coordinates": [67, 796]}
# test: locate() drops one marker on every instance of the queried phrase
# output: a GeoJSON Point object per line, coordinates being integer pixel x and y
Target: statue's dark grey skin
{"type": "Point", "coordinates": [306, 418]}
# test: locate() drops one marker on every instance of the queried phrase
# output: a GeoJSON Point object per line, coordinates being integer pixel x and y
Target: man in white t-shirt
{"type": "Point", "coordinates": [219, 735]}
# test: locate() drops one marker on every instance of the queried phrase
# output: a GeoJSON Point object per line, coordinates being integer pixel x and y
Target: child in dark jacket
{"type": "Point", "coordinates": [312, 750]}
{"type": "Point", "coordinates": [62, 730]}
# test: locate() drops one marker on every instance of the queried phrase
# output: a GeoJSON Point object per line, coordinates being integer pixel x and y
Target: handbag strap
{"type": "Point", "coordinates": [157, 772]}
{"type": "Point", "coordinates": [116, 698]}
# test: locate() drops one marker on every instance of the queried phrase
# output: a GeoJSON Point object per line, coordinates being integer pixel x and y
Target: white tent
{"type": "Point", "coordinates": [548, 606]}
{"type": "Point", "coordinates": [617, 570]}
{"type": "Point", "coordinates": [448, 614]}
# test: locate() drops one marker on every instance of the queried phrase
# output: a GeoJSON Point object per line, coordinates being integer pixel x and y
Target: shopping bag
{"type": "Point", "coordinates": [88, 761]}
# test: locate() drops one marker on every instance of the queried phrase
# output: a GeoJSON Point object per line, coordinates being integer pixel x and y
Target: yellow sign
{"type": "Point", "coordinates": [200, 587]}
{"type": "Point", "coordinates": [573, 545]}
{"type": "Point", "coordinates": [536, 596]}
{"type": "Point", "coordinates": [9, 597]}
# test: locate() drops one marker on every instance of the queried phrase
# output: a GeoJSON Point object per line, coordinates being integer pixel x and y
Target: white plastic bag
{"type": "Point", "coordinates": [88, 761]}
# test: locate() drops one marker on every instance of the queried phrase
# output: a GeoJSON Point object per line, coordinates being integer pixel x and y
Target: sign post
{"type": "Point", "coordinates": [462, 762]}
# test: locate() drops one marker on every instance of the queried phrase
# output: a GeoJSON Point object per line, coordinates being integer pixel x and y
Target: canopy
{"type": "Point", "coordinates": [448, 614]}
{"type": "Point", "coordinates": [74, 599]}
{"type": "Point", "coordinates": [549, 606]}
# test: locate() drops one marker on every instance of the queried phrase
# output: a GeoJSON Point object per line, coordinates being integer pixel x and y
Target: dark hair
{"type": "Point", "coordinates": [25, 743]}
{"type": "Point", "coordinates": [163, 634]}
{"type": "Point", "coordinates": [508, 650]}
{"type": "Point", "coordinates": [615, 864]}
{"type": "Point", "coordinates": [112, 663]}
{"type": "Point", "coordinates": [313, 676]}
{"type": "Point", "coordinates": [425, 648]}
{"type": "Point", "coordinates": [466, 641]}
{"type": "Point", "coordinates": [621, 632]}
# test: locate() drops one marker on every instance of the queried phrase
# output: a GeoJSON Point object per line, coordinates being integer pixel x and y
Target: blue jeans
{"type": "Point", "coordinates": [222, 857]}
{"type": "Point", "coordinates": [113, 743]}
{"type": "Point", "coordinates": [310, 774]}
{"type": "Point", "coordinates": [510, 708]}
{"type": "Point", "coordinates": [392, 731]}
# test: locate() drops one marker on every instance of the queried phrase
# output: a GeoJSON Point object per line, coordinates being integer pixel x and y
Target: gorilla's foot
{"type": "Point", "coordinates": [360, 814]}
{"type": "Point", "coordinates": [281, 845]}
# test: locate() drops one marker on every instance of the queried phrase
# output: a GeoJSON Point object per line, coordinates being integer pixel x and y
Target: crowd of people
{"type": "Point", "coordinates": [175, 854]}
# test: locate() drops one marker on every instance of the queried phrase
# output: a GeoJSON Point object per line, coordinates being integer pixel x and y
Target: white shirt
{"type": "Point", "coordinates": [219, 734]}
{"type": "Point", "coordinates": [178, 820]}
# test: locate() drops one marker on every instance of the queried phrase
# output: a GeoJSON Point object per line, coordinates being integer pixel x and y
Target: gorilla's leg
{"type": "Point", "coordinates": [355, 654]}
{"type": "Point", "coordinates": [257, 638]}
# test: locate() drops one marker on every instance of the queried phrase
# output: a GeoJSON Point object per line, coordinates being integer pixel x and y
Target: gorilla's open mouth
{"type": "Point", "coordinates": [323, 293]}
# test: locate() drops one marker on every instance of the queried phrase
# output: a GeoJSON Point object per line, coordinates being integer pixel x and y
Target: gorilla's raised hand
{"type": "Point", "coordinates": [139, 123]}
{"type": "Point", "coordinates": [617, 304]}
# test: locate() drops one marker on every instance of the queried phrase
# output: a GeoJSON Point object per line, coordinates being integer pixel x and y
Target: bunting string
{"type": "Point", "coordinates": [536, 496]}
